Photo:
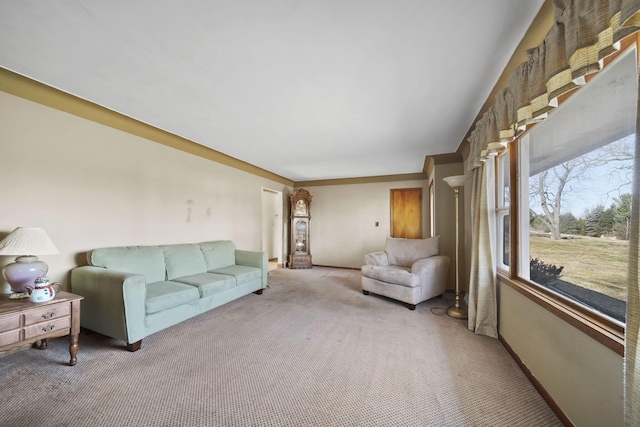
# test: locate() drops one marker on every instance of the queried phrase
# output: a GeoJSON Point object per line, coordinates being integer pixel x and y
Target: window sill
{"type": "Point", "coordinates": [599, 328]}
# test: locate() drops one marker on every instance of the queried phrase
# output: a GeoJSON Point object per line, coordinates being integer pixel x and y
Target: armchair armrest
{"type": "Point", "coordinates": [432, 272]}
{"type": "Point", "coordinates": [376, 258]}
{"type": "Point", "coordinates": [254, 259]}
{"type": "Point", "coordinates": [114, 301]}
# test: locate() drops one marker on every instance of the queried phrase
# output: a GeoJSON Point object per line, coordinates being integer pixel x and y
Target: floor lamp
{"type": "Point", "coordinates": [457, 310]}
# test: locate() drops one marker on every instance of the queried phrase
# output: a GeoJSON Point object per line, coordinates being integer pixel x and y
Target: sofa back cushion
{"type": "Point", "coordinates": [183, 260]}
{"type": "Point", "coordinates": [218, 254]}
{"type": "Point", "coordinates": [145, 260]}
{"type": "Point", "coordinates": [405, 252]}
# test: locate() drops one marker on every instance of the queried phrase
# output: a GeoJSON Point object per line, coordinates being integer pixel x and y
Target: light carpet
{"type": "Point", "coordinates": [312, 350]}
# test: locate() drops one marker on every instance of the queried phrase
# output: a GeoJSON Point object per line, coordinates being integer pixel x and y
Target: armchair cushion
{"type": "Point", "coordinates": [405, 252]}
{"type": "Point", "coordinates": [392, 274]}
{"type": "Point", "coordinates": [376, 258]}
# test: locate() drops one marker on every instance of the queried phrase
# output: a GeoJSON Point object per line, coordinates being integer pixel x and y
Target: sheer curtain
{"type": "Point", "coordinates": [483, 307]}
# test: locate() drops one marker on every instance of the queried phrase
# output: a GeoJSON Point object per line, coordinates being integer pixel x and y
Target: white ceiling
{"type": "Point", "coordinates": [305, 89]}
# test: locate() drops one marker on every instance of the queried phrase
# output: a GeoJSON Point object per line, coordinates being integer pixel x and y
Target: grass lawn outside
{"type": "Point", "coordinates": [598, 264]}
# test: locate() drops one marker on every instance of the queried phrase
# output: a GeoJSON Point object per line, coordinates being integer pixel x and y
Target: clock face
{"type": "Point", "coordinates": [301, 208]}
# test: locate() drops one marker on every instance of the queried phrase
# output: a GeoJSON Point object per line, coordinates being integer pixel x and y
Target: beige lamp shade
{"type": "Point", "coordinates": [28, 241]}
{"type": "Point", "coordinates": [456, 180]}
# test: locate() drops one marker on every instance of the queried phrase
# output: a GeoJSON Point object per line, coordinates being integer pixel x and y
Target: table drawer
{"type": "Point", "coordinates": [10, 337]}
{"type": "Point", "coordinates": [9, 322]}
{"type": "Point", "coordinates": [50, 311]}
{"type": "Point", "coordinates": [47, 327]}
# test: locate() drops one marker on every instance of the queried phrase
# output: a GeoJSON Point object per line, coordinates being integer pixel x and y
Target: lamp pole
{"type": "Point", "coordinates": [457, 310]}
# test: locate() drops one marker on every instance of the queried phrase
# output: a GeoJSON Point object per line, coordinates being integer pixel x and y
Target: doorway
{"type": "Point", "coordinates": [272, 227]}
{"type": "Point", "coordinates": [406, 213]}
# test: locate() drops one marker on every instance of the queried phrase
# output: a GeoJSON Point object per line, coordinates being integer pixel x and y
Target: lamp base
{"type": "Point", "coordinates": [24, 272]}
{"type": "Point", "coordinates": [457, 312]}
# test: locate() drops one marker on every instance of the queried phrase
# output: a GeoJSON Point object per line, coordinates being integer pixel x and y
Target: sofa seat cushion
{"type": "Point", "coordinates": [242, 273]}
{"type": "Point", "coordinates": [209, 283]}
{"type": "Point", "coordinates": [393, 274]}
{"type": "Point", "coordinates": [165, 295]}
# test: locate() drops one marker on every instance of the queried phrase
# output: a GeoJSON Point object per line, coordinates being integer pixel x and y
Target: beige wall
{"type": "Point", "coordinates": [89, 185]}
{"type": "Point", "coordinates": [343, 220]}
{"type": "Point", "coordinates": [582, 376]}
{"type": "Point", "coordinates": [445, 225]}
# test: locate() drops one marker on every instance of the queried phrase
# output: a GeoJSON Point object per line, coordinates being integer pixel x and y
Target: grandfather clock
{"type": "Point", "coordinates": [300, 256]}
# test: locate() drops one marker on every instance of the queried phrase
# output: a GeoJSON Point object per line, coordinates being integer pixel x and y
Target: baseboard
{"type": "Point", "coordinates": [545, 395]}
{"type": "Point", "coordinates": [333, 266]}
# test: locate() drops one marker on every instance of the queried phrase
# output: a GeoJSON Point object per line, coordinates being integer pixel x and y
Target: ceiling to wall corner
{"type": "Point", "coordinates": [308, 90]}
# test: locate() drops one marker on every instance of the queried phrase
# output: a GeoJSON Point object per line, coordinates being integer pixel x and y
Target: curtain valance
{"type": "Point", "coordinates": [583, 34]}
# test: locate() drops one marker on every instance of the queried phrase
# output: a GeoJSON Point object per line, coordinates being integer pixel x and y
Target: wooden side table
{"type": "Point", "coordinates": [24, 322]}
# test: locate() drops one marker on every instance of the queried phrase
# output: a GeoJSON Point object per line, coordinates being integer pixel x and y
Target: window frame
{"type": "Point", "coordinates": [607, 331]}
{"type": "Point", "coordinates": [502, 210]}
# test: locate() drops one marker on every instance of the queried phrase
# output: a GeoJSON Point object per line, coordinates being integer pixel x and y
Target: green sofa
{"type": "Point", "coordinates": [131, 292]}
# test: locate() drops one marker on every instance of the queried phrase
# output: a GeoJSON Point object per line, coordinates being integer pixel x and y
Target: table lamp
{"type": "Point", "coordinates": [27, 242]}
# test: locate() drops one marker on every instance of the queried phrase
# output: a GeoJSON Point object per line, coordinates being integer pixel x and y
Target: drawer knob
{"type": "Point", "coordinates": [48, 315]}
{"type": "Point", "coordinates": [48, 328]}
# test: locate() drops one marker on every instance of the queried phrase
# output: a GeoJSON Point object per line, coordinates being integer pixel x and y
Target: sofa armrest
{"type": "Point", "coordinates": [376, 258]}
{"type": "Point", "coordinates": [254, 259]}
{"type": "Point", "coordinates": [432, 271]}
{"type": "Point", "coordinates": [114, 302]}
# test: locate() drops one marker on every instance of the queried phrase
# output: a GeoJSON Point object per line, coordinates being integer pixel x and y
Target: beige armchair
{"type": "Point", "coordinates": [408, 270]}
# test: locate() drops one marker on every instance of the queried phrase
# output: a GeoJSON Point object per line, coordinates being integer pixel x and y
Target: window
{"type": "Point", "coordinates": [575, 191]}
